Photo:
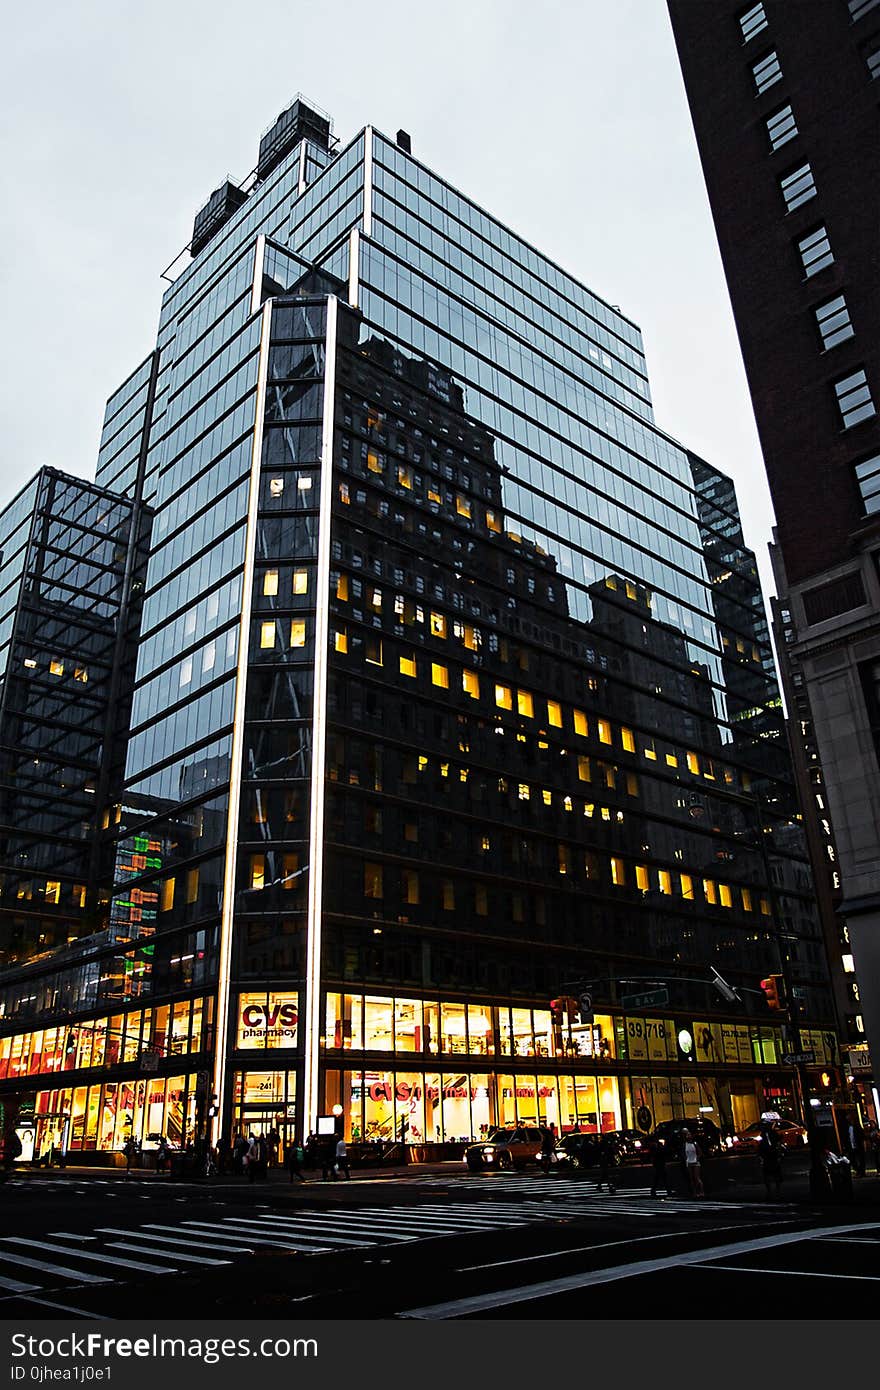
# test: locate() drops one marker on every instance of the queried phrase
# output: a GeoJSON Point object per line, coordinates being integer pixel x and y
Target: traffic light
{"type": "Point", "coordinates": [773, 991]}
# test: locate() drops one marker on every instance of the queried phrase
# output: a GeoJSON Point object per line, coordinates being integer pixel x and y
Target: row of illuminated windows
{"type": "Point", "coordinates": [527, 705]}
{"type": "Point", "coordinates": [384, 1024]}
{"type": "Point", "coordinates": [622, 874]}
{"type": "Point", "coordinates": [56, 667]}
{"type": "Point", "coordinates": [50, 891]}
{"type": "Point", "coordinates": [169, 1029]}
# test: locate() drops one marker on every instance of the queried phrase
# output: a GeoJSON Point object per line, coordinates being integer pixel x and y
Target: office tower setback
{"type": "Point", "coordinates": [453, 702]}
{"type": "Point", "coordinates": [784, 104]}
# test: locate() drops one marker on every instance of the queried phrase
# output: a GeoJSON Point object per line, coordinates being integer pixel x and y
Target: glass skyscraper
{"type": "Point", "coordinates": [453, 699]}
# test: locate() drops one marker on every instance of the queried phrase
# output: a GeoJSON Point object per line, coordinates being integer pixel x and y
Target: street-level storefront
{"type": "Point", "coordinates": [78, 1120]}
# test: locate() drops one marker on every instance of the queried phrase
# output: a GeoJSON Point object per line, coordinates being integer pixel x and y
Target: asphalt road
{"type": "Point", "coordinates": [433, 1245]}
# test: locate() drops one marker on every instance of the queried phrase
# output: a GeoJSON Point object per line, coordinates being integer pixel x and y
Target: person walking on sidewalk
{"type": "Point", "coordinates": [607, 1152]}
{"type": "Point", "coordinates": [548, 1150]}
{"type": "Point", "coordinates": [691, 1153]}
{"type": "Point", "coordinates": [293, 1158]}
{"type": "Point", "coordinates": [770, 1154]}
{"type": "Point", "coordinates": [342, 1158]}
{"type": "Point", "coordinates": [659, 1177]}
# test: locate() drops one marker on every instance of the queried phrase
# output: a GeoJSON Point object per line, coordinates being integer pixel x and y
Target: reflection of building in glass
{"type": "Point", "coordinates": [433, 713]}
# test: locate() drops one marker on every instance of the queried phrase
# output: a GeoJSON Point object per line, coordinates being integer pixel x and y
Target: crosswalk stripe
{"type": "Point", "coordinates": [81, 1275]}
{"type": "Point", "coordinates": [16, 1286]}
{"type": "Point", "coordinates": [177, 1254]}
{"type": "Point", "coordinates": [199, 1235]}
{"type": "Point", "coordinates": [394, 1229]}
{"type": "Point", "coordinates": [323, 1231]}
{"type": "Point", "coordinates": [464, 1219]}
{"type": "Point", "coordinates": [397, 1221]}
{"type": "Point", "coordinates": [165, 1245]}
{"type": "Point", "coordinates": [289, 1244]}
{"type": "Point", "coordinates": [88, 1255]}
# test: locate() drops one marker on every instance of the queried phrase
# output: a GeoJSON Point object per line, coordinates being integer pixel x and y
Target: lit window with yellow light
{"type": "Point", "coordinates": [524, 791]}
{"type": "Point", "coordinates": [405, 477]}
{"type": "Point", "coordinates": [342, 588]}
{"type": "Point", "coordinates": [56, 668]}
{"type": "Point", "coordinates": [408, 666]}
{"type": "Point", "coordinates": [765, 907]}
{"type": "Point", "coordinates": [300, 581]}
{"type": "Point", "coordinates": [664, 878]}
{"type": "Point", "coordinates": [618, 872]}
{"type": "Point", "coordinates": [687, 887]}
{"type": "Point", "coordinates": [503, 697]}
{"type": "Point", "coordinates": [462, 505]}
{"type": "Point", "coordinates": [53, 891]}
{"type": "Point", "coordinates": [492, 523]}
{"type": "Point", "coordinates": [671, 760]}
{"type": "Point", "coordinates": [580, 723]}
{"type": "Point", "coordinates": [746, 896]}
{"type": "Point", "coordinates": [297, 633]}
{"type": "Point", "coordinates": [693, 763]}
{"type": "Point", "coordinates": [554, 713]}
{"type": "Point", "coordinates": [267, 635]}
{"type": "Point", "coordinates": [166, 895]}
{"type": "Point", "coordinates": [604, 731]}
{"type": "Point", "coordinates": [627, 740]}
{"type": "Point", "coordinates": [642, 881]}
{"type": "Point", "coordinates": [709, 891]}
{"type": "Point", "coordinates": [440, 675]}
{"type": "Point", "coordinates": [340, 641]}
{"type": "Point", "coordinates": [438, 625]}
{"type": "Point", "coordinates": [80, 674]}
{"type": "Point", "coordinates": [470, 683]}
{"type": "Point", "coordinates": [192, 887]}
{"type": "Point", "coordinates": [525, 704]}
{"type": "Point", "coordinates": [584, 769]}
{"type": "Point", "coordinates": [725, 896]}
{"type": "Point", "coordinates": [270, 582]}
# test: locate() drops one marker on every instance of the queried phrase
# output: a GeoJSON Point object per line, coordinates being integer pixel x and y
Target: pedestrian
{"type": "Point", "coordinates": [855, 1146]}
{"type": "Point", "coordinates": [659, 1177]}
{"type": "Point", "coordinates": [872, 1144]}
{"type": "Point", "coordinates": [770, 1154]}
{"type": "Point", "coordinates": [162, 1155]}
{"type": "Point", "coordinates": [273, 1143]}
{"type": "Point", "coordinates": [342, 1158]}
{"type": "Point", "coordinates": [328, 1160]}
{"type": "Point", "coordinates": [607, 1152]}
{"type": "Point", "coordinates": [293, 1159]}
{"type": "Point", "coordinates": [691, 1155]}
{"type": "Point", "coordinates": [251, 1158]}
{"type": "Point", "coordinates": [548, 1150]}
{"type": "Point", "coordinates": [239, 1154]}
{"type": "Point", "coordinates": [129, 1148]}
{"type": "Point", "coordinates": [312, 1152]}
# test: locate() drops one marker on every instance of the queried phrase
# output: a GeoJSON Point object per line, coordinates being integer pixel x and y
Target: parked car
{"type": "Point", "coordinates": [705, 1131]}
{"type": "Point", "coordinates": [789, 1134]}
{"type": "Point", "coordinates": [504, 1148]}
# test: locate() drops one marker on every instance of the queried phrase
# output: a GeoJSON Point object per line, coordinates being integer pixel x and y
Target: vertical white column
{"type": "Point", "coordinates": [308, 1107]}
{"type": "Point", "coordinates": [259, 262]}
{"type": "Point", "coordinates": [221, 1021]}
{"type": "Point", "coordinates": [302, 167]}
{"type": "Point", "coordinates": [368, 181]}
{"type": "Point", "coordinates": [354, 253]}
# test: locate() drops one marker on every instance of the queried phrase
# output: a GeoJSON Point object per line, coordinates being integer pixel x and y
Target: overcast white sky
{"type": "Point", "coordinates": [567, 120]}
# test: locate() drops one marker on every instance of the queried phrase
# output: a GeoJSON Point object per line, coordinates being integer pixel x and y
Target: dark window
{"type": "Point", "coordinates": [857, 8]}
{"type": "Point", "coordinates": [767, 71]}
{"type": "Point", "coordinates": [833, 321]}
{"type": "Point", "coordinates": [830, 600]}
{"type": "Point", "coordinates": [854, 399]}
{"type": "Point", "coordinates": [752, 22]}
{"type": "Point", "coordinates": [815, 251]}
{"type": "Point", "coordinates": [797, 187]}
{"type": "Point", "coordinates": [781, 127]}
{"type": "Point", "coordinates": [868, 479]}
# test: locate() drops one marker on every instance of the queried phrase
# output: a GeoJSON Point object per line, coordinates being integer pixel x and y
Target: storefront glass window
{"type": "Point", "coordinates": [453, 1028]}
{"type": "Point", "coordinates": [543, 1033]}
{"type": "Point", "coordinates": [523, 1041]}
{"type": "Point", "coordinates": [378, 1025]}
{"type": "Point", "coordinates": [408, 1031]}
{"type": "Point", "coordinates": [409, 1107]}
{"type": "Point", "coordinates": [456, 1107]}
{"type": "Point", "coordinates": [431, 1016]}
{"type": "Point", "coordinates": [505, 1032]}
{"type": "Point", "coordinates": [480, 1034]}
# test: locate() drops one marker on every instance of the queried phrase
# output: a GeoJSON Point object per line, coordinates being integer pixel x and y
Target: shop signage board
{"type": "Point", "coordinates": [650, 999]}
{"type": "Point", "coordinates": [859, 1059]}
{"type": "Point", "coordinates": [797, 1059]}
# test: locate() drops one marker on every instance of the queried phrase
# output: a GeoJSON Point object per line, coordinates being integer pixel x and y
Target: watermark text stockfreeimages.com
{"type": "Point", "coordinates": [97, 1346]}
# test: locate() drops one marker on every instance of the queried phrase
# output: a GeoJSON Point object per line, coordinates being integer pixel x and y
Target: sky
{"type": "Point", "coordinates": [567, 121]}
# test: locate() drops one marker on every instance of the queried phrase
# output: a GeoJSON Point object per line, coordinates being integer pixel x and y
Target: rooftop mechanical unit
{"type": "Point", "coordinates": [223, 202]}
{"type": "Point", "coordinates": [298, 122]}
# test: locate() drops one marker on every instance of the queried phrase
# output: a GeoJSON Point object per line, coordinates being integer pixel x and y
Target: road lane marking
{"type": "Point", "coordinates": [16, 1286]}
{"type": "Point", "coordinates": [195, 1237]}
{"type": "Point", "coordinates": [175, 1254]}
{"type": "Point", "coordinates": [88, 1255]}
{"type": "Point", "coordinates": [802, 1273]}
{"type": "Point", "coordinates": [548, 1288]}
{"type": "Point", "coordinates": [65, 1270]}
{"type": "Point", "coordinates": [585, 1249]}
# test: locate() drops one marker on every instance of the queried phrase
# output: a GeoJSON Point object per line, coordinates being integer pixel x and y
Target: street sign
{"type": "Point", "coordinates": [651, 999]}
{"type": "Point", "coordinates": [797, 1059]}
{"type": "Point", "coordinates": [859, 1058]}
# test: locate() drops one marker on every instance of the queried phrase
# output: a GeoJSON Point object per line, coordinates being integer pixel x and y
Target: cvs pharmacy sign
{"type": "Point", "coordinates": [267, 1020]}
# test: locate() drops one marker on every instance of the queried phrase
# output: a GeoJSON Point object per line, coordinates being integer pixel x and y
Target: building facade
{"type": "Point", "coordinates": [784, 104]}
{"type": "Point", "coordinates": [453, 697]}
